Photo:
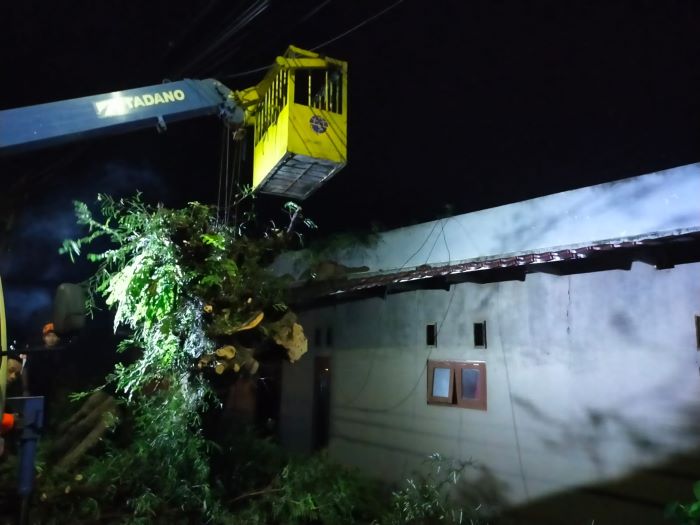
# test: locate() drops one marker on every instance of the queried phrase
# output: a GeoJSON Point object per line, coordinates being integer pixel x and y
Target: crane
{"type": "Point", "coordinates": [298, 114]}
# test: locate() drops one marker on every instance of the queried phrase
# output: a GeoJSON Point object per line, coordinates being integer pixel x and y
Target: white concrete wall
{"type": "Point", "coordinates": [297, 393]}
{"type": "Point", "coordinates": [666, 202]}
{"type": "Point", "coordinates": [589, 377]}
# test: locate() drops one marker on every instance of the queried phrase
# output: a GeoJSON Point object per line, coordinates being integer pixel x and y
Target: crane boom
{"type": "Point", "coordinates": [299, 115]}
{"type": "Point", "coordinates": [299, 112]}
{"type": "Point", "coordinates": [54, 123]}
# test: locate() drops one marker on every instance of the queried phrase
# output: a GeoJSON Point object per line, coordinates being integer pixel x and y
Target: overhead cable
{"type": "Point", "coordinates": [358, 26]}
{"type": "Point", "coordinates": [241, 22]}
{"type": "Point", "coordinates": [322, 44]}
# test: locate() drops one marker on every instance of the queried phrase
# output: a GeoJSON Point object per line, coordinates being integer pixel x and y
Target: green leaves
{"type": "Point", "coordinates": [294, 211]}
{"type": "Point", "coordinates": [183, 284]}
{"type": "Point", "coordinates": [211, 280]}
{"type": "Point", "coordinates": [313, 490]}
{"type": "Point", "coordinates": [163, 267]}
{"type": "Point", "coordinates": [427, 497]}
{"type": "Point", "coordinates": [685, 514]}
{"type": "Point", "coordinates": [291, 207]}
{"type": "Point", "coordinates": [70, 247]}
{"type": "Point", "coordinates": [218, 241]}
{"type": "Point", "coordinates": [218, 271]}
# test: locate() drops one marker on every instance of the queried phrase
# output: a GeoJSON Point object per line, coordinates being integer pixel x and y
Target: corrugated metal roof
{"type": "Point", "coordinates": [533, 262]}
{"type": "Point", "coordinates": [657, 204]}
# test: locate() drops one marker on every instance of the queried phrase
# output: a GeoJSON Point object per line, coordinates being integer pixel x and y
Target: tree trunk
{"type": "Point", "coordinates": [90, 440]}
{"type": "Point", "coordinates": [92, 414]}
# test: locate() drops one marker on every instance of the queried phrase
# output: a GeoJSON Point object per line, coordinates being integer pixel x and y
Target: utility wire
{"type": "Point", "coordinates": [235, 180]}
{"type": "Point", "coordinates": [239, 169]}
{"type": "Point", "coordinates": [437, 238]}
{"type": "Point", "coordinates": [227, 54]}
{"type": "Point", "coordinates": [313, 11]}
{"type": "Point", "coordinates": [444, 239]}
{"type": "Point", "coordinates": [417, 383]}
{"type": "Point", "coordinates": [499, 315]}
{"type": "Point", "coordinates": [226, 175]}
{"type": "Point", "coordinates": [358, 26]}
{"type": "Point", "coordinates": [240, 22]}
{"type": "Point", "coordinates": [245, 73]}
{"type": "Point", "coordinates": [219, 204]}
{"type": "Point", "coordinates": [419, 248]}
{"type": "Point", "coordinates": [322, 44]}
{"type": "Point", "coordinates": [192, 25]}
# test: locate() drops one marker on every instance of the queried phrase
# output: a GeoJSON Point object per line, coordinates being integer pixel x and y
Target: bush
{"type": "Point", "coordinates": [428, 498]}
{"type": "Point", "coordinates": [311, 490]}
{"type": "Point", "coordinates": [686, 513]}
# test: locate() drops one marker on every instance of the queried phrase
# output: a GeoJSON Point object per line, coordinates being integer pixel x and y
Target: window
{"type": "Point", "coordinates": [457, 383]}
{"type": "Point", "coordinates": [440, 382]}
{"type": "Point", "coordinates": [431, 334]}
{"type": "Point", "coordinates": [471, 385]}
{"type": "Point", "coordinates": [480, 335]}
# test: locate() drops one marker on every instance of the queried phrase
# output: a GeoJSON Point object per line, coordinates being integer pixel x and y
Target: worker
{"type": "Point", "coordinates": [39, 368]}
{"type": "Point", "coordinates": [49, 336]}
{"type": "Point", "coordinates": [14, 372]}
{"type": "Point", "coordinates": [41, 375]}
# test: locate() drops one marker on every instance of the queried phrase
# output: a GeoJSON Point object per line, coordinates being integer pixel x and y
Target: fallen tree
{"type": "Point", "coordinates": [198, 302]}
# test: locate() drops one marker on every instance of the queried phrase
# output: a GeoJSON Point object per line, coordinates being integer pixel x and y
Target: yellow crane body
{"type": "Point", "coordinates": [3, 347]}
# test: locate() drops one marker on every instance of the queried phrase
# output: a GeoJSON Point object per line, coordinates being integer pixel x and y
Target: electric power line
{"type": "Point", "coordinates": [322, 44]}
{"type": "Point", "coordinates": [358, 26]}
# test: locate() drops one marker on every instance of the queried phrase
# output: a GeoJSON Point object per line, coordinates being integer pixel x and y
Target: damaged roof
{"type": "Point", "coordinates": [661, 251]}
{"type": "Point", "coordinates": [653, 218]}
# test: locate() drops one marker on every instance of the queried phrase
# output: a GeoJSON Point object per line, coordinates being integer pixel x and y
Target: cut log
{"type": "Point", "coordinates": [95, 399]}
{"type": "Point", "coordinates": [81, 426]}
{"type": "Point", "coordinates": [89, 441]}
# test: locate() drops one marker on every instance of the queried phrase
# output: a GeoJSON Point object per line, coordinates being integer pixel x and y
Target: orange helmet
{"type": "Point", "coordinates": [48, 327]}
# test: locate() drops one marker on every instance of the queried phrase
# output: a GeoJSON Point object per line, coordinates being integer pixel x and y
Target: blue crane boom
{"type": "Point", "coordinates": [298, 112]}
{"type": "Point", "coordinates": [299, 115]}
{"type": "Point", "coordinates": [55, 123]}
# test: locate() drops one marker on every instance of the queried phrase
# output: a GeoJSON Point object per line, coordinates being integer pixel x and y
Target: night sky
{"type": "Point", "coordinates": [454, 106]}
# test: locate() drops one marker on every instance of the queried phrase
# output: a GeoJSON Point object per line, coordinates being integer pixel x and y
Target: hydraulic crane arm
{"type": "Point", "coordinates": [54, 123]}
{"type": "Point", "coordinates": [299, 112]}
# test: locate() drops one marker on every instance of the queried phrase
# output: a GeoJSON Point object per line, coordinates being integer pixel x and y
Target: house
{"type": "Point", "coordinates": [553, 341]}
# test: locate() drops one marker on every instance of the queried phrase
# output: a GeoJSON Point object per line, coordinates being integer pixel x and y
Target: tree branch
{"type": "Point", "coordinates": [260, 492]}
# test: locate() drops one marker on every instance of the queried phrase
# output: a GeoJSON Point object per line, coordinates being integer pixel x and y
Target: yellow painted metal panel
{"type": "Point", "coordinates": [330, 144]}
{"type": "Point", "coordinates": [271, 148]}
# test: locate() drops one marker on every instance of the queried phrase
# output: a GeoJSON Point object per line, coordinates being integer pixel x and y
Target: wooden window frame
{"type": "Point", "coordinates": [454, 397]}
{"type": "Point", "coordinates": [480, 402]}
